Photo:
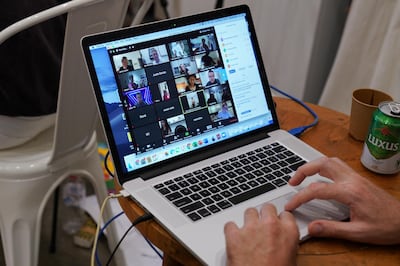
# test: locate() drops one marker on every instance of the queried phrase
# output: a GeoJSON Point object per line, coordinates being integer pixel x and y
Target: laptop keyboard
{"type": "Point", "coordinates": [206, 191]}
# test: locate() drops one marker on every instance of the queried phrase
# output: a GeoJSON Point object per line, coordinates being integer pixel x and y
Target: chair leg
{"type": "Point", "coordinates": [93, 166]}
{"type": "Point", "coordinates": [53, 239]}
{"type": "Point", "coordinates": [20, 222]}
{"type": "Point", "coordinates": [19, 238]}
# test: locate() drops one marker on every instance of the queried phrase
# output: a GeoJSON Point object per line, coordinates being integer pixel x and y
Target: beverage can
{"type": "Point", "coordinates": [381, 152]}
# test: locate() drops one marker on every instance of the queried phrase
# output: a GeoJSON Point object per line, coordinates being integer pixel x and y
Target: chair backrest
{"type": "Point", "coordinates": [77, 115]}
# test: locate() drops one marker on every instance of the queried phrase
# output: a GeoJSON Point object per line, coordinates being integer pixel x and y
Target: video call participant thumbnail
{"type": "Point", "coordinates": [147, 137]}
{"type": "Point", "coordinates": [198, 121]}
{"type": "Point", "coordinates": [168, 109]}
{"type": "Point", "coordinates": [142, 116]}
{"type": "Point", "coordinates": [192, 101]}
{"type": "Point", "coordinates": [154, 55]}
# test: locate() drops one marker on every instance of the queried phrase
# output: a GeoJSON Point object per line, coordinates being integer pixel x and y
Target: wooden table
{"type": "Point", "coordinates": [330, 137]}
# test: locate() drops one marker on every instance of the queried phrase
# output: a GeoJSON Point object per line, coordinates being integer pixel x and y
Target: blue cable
{"type": "Point", "coordinates": [105, 226]}
{"type": "Point", "coordinates": [102, 231]}
{"type": "Point", "coordinates": [154, 248]}
{"type": "Point", "coordinates": [297, 131]}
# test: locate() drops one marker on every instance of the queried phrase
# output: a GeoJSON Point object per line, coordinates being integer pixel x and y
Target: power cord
{"type": "Point", "coordinates": [297, 131]}
{"type": "Point", "coordinates": [106, 164]}
{"type": "Point", "coordinates": [102, 232]}
{"type": "Point", "coordinates": [94, 248]}
{"type": "Point", "coordinates": [143, 218]}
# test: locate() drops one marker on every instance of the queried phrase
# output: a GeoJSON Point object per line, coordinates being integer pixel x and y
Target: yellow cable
{"type": "Point", "coordinates": [92, 257]}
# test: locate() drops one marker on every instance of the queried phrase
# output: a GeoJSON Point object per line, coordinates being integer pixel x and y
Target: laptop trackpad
{"type": "Point", "coordinates": [313, 210]}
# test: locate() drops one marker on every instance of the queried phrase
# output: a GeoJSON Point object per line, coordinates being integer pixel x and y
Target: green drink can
{"type": "Point", "coordinates": [381, 152]}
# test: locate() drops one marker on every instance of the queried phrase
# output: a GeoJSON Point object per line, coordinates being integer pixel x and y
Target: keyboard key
{"type": "Point", "coordinates": [244, 187]}
{"type": "Point", "coordinates": [204, 212]}
{"type": "Point", "coordinates": [293, 159]}
{"type": "Point", "coordinates": [219, 170]}
{"type": "Point", "coordinates": [213, 181]}
{"type": "Point", "coordinates": [222, 186]}
{"type": "Point", "coordinates": [214, 190]}
{"type": "Point", "coordinates": [185, 191]}
{"type": "Point", "coordinates": [183, 184]}
{"type": "Point", "coordinates": [215, 165]}
{"type": "Point", "coordinates": [235, 190]}
{"type": "Point", "coordinates": [231, 174]}
{"type": "Point", "coordinates": [252, 193]}
{"type": "Point", "coordinates": [253, 158]}
{"type": "Point", "coordinates": [179, 178]}
{"type": "Point", "coordinates": [228, 167]}
{"type": "Point", "coordinates": [236, 164]}
{"type": "Point", "coordinates": [173, 196]}
{"type": "Point", "coordinates": [256, 165]}
{"type": "Point", "coordinates": [207, 201]}
{"type": "Point", "coordinates": [279, 148]}
{"type": "Point", "coordinates": [278, 182]}
{"type": "Point", "coordinates": [296, 165]}
{"type": "Point", "coordinates": [240, 171]}
{"type": "Point", "coordinates": [224, 204]}
{"type": "Point", "coordinates": [213, 208]}
{"type": "Point", "coordinates": [261, 180]}
{"type": "Point", "coordinates": [217, 197]}
{"type": "Point", "coordinates": [210, 174]}
{"type": "Point", "coordinates": [164, 190]}
{"type": "Point", "coordinates": [182, 202]}
{"type": "Point", "coordinates": [232, 183]}
{"type": "Point", "coordinates": [201, 177]}
{"type": "Point", "coordinates": [253, 183]}
{"type": "Point", "coordinates": [195, 197]}
{"type": "Point", "coordinates": [249, 176]}
{"type": "Point", "coordinates": [192, 207]}
{"type": "Point", "coordinates": [258, 173]}
{"type": "Point", "coordinates": [277, 173]}
{"type": "Point", "coordinates": [195, 188]}
{"type": "Point", "coordinates": [194, 216]}
{"type": "Point", "coordinates": [173, 187]}
{"type": "Point", "coordinates": [192, 180]}
{"type": "Point", "coordinates": [248, 168]}
{"type": "Point", "coordinates": [226, 194]}
{"type": "Point", "coordinates": [245, 161]}
{"type": "Point", "coordinates": [204, 184]}
{"type": "Point", "coordinates": [222, 178]}
{"type": "Point", "coordinates": [286, 170]}
{"type": "Point", "coordinates": [158, 186]}
{"type": "Point", "coordinates": [205, 193]}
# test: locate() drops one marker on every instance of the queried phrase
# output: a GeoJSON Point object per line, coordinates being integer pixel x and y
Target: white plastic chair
{"type": "Point", "coordinates": [30, 173]}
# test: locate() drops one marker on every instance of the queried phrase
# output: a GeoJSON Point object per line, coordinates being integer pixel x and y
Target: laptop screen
{"type": "Point", "coordinates": [190, 85]}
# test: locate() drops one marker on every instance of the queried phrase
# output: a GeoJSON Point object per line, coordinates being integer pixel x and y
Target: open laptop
{"type": "Point", "coordinates": [192, 128]}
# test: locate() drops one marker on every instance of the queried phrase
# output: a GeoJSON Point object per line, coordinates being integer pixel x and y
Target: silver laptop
{"type": "Point", "coordinates": [192, 128]}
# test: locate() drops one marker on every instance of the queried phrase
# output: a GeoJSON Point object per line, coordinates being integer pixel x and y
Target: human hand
{"type": "Point", "coordinates": [266, 238]}
{"type": "Point", "coordinates": [374, 214]}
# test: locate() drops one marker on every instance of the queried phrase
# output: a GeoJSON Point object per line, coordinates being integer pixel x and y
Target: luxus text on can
{"type": "Point", "coordinates": [381, 152]}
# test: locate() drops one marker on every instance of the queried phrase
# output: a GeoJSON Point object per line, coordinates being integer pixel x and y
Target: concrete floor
{"type": "Point", "coordinates": [67, 253]}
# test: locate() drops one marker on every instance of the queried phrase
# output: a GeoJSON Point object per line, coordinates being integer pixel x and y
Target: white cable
{"type": "Point", "coordinates": [93, 254]}
{"type": "Point", "coordinates": [42, 16]}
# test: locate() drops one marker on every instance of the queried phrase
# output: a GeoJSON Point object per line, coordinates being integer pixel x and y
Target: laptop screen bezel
{"type": "Point", "coordinates": [196, 155]}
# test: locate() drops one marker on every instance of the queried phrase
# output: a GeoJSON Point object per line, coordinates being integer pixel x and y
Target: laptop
{"type": "Point", "coordinates": [192, 128]}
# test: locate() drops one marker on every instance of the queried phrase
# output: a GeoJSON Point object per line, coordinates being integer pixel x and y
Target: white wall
{"type": "Point", "coordinates": [292, 35]}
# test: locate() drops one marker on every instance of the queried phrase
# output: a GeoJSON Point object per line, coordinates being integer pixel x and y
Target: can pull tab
{"type": "Point", "coordinates": [394, 108]}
